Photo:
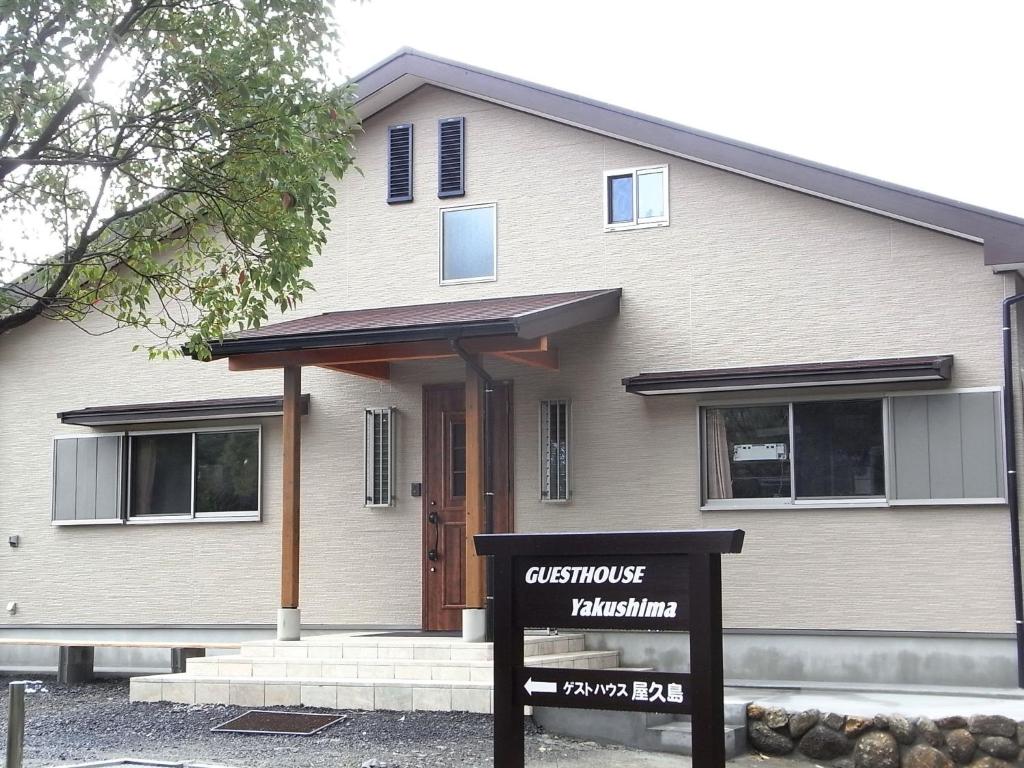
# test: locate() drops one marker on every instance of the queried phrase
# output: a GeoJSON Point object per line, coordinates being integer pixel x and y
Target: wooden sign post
{"type": "Point", "coordinates": [639, 580]}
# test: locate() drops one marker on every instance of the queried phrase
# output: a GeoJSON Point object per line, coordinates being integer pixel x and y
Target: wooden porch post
{"type": "Point", "coordinates": [475, 582]}
{"type": "Point", "coordinates": [288, 622]}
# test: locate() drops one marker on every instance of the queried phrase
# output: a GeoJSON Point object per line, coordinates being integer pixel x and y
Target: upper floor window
{"type": "Point", "coordinates": [468, 244]}
{"type": "Point", "coordinates": [636, 197]}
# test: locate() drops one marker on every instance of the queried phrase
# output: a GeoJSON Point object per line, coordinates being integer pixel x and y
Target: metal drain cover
{"type": "Point", "coordinates": [285, 723]}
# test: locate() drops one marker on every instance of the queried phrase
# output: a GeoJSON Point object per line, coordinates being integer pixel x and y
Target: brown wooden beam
{"type": "Point", "coordinates": [379, 370]}
{"type": "Point", "coordinates": [547, 358]}
{"type": "Point", "coordinates": [291, 440]}
{"type": "Point", "coordinates": [372, 353]}
{"type": "Point", "coordinates": [475, 579]}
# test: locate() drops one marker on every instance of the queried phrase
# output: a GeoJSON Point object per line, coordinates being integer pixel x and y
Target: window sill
{"type": "Point", "coordinates": [630, 227]}
{"type": "Point", "coordinates": [162, 520]}
{"type": "Point", "coordinates": [469, 280]}
{"type": "Point", "coordinates": [851, 505]}
{"type": "Point", "coordinates": [61, 523]}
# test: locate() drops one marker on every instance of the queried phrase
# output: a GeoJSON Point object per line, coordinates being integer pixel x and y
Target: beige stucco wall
{"type": "Point", "coordinates": [746, 274]}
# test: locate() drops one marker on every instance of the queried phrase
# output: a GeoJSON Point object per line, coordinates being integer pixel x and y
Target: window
{"type": "Point", "coordinates": [400, 163]}
{"type": "Point", "coordinates": [379, 451]}
{"type": "Point", "coordinates": [898, 449]}
{"type": "Point", "coordinates": [554, 450]}
{"type": "Point", "coordinates": [451, 157]}
{"type": "Point", "coordinates": [636, 198]}
{"type": "Point", "coordinates": [468, 252]}
{"type": "Point", "coordinates": [200, 474]}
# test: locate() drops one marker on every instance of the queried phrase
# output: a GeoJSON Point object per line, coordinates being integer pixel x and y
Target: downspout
{"type": "Point", "coordinates": [1010, 448]}
{"type": "Point", "coordinates": [488, 483]}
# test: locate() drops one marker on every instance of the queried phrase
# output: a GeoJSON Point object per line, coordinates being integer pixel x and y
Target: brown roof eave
{"type": "Point", "coordinates": [350, 338]}
{"type": "Point", "coordinates": [850, 372]}
{"type": "Point", "coordinates": [181, 410]}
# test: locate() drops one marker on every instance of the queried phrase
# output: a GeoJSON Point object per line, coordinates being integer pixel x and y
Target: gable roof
{"type": "Point", "coordinates": [408, 69]}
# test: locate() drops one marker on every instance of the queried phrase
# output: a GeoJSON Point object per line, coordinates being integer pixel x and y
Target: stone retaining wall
{"type": "Point", "coordinates": [886, 741]}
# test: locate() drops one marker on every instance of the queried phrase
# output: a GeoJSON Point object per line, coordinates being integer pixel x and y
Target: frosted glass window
{"type": "Point", "coordinates": [650, 195]}
{"type": "Point", "coordinates": [467, 243]}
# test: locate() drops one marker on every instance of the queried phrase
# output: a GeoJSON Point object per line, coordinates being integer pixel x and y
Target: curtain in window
{"type": "Point", "coordinates": [144, 456]}
{"type": "Point", "coordinates": [719, 471]}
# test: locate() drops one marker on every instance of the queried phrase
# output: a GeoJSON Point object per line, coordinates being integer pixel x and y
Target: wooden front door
{"type": "Point", "coordinates": [444, 494]}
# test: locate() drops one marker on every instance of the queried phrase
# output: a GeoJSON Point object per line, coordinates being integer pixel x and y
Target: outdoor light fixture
{"type": "Point", "coordinates": [12, 607]}
{"type": "Point", "coordinates": [14, 540]}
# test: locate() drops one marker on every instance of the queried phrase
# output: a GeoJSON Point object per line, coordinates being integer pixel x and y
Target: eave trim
{"type": "Point", "coordinates": [830, 374]}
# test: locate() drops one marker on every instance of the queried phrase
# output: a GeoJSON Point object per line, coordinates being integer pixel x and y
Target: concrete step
{"type": "Point", "coordinates": [677, 737]}
{"type": "Point", "coordinates": [380, 669]}
{"type": "Point", "coordinates": [642, 730]}
{"type": "Point", "coordinates": [356, 646]}
{"type": "Point", "coordinates": [390, 694]}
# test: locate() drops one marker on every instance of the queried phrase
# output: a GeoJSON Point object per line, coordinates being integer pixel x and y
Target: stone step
{"type": "Point", "coordinates": [390, 694]}
{"type": "Point", "coordinates": [677, 737]}
{"type": "Point", "coordinates": [384, 647]}
{"type": "Point", "coordinates": [380, 669]}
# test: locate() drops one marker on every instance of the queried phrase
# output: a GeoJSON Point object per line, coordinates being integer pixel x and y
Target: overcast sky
{"type": "Point", "coordinates": [925, 94]}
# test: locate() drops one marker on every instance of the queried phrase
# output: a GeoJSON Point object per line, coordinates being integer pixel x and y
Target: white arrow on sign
{"type": "Point", "coordinates": [539, 687]}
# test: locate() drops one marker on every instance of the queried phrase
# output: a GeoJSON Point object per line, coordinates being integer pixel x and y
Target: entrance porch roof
{"type": "Point", "coordinates": [366, 340]}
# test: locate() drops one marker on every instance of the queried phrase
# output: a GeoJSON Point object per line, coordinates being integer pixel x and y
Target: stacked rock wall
{"type": "Point", "coordinates": [886, 741]}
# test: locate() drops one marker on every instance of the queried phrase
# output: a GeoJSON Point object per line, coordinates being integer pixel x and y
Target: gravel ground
{"type": "Point", "coordinates": [96, 721]}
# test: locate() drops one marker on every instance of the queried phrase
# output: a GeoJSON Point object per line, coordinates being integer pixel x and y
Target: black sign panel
{"type": "Point", "coordinates": [639, 580]}
{"type": "Point", "coordinates": [610, 592]}
{"type": "Point", "coordinates": [631, 690]}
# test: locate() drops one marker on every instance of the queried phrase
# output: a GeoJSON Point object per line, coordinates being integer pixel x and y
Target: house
{"type": "Point", "coordinates": [595, 319]}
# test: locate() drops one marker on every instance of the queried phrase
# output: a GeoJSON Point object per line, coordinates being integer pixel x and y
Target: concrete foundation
{"type": "Point", "coordinates": [965, 660]}
{"type": "Point", "coordinates": [474, 625]}
{"type": "Point", "coordinates": [972, 660]}
{"type": "Point", "coordinates": [289, 623]}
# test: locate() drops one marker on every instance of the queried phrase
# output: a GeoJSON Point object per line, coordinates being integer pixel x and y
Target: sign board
{"type": "Point", "coordinates": [619, 592]}
{"type": "Point", "coordinates": [636, 691]}
{"type": "Point", "coordinates": [633, 580]}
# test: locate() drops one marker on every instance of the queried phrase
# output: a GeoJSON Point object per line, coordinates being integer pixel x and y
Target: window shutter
{"type": "Point", "coordinates": [947, 446]}
{"type": "Point", "coordinates": [87, 479]}
{"type": "Point", "coordinates": [400, 163]}
{"type": "Point", "coordinates": [451, 157]}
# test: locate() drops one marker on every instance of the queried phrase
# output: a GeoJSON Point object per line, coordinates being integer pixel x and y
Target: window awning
{"type": "Point", "coordinates": [182, 410]}
{"type": "Point", "coordinates": [891, 370]}
{"type": "Point", "coordinates": [366, 341]}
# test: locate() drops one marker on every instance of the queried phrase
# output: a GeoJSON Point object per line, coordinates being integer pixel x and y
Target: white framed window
{"type": "Point", "coordinates": [212, 474]}
{"type": "Point", "coordinates": [881, 450]}
{"type": "Point", "coordinates": [379, 452]}
{"type": "Point", "coordinates": [555, 423]}
{"type": "Point", "coordinates": [636, 197]}
{"type": "Point", "coordinates": [467, 245]}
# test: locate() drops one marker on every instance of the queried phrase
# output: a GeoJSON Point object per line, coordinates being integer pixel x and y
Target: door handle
{"type": "Point", "coordinates": [434, 519]}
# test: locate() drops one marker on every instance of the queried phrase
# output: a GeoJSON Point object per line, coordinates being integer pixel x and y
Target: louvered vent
{"type": "Point", "coordinates": [451, 157]}
{"type": "Point", "coordinates": [400, 163]}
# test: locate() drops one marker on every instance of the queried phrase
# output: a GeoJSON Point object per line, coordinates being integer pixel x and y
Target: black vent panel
{"type": "Point", "coordinates": [400, 163]}
{"type": "Point", "coordinates": [451, 157]}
